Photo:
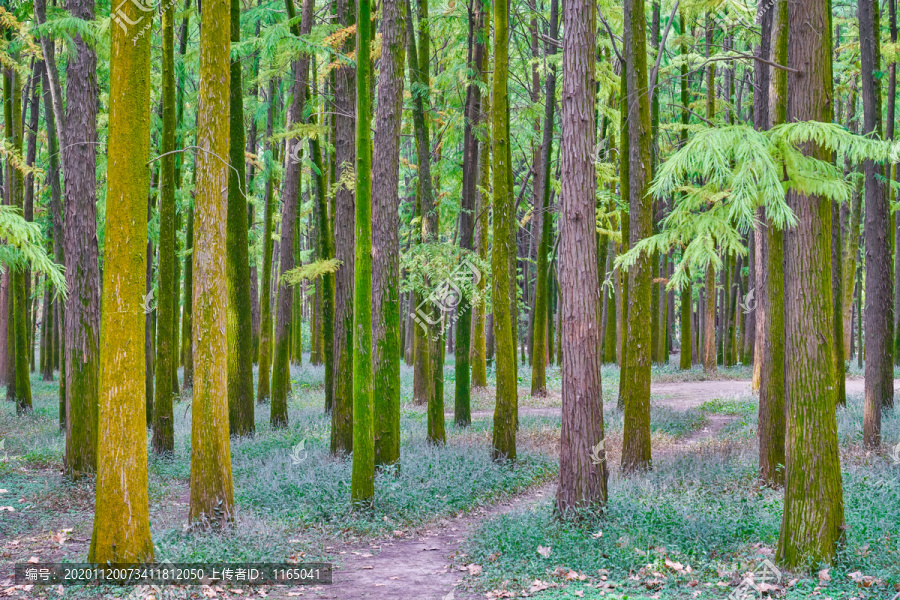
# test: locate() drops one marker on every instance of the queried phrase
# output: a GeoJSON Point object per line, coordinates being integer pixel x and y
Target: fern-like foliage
{"type": "Point", "coordinates": [741, 170]}
{"type": "Point", "coordinates": [22, 248]}
{"type": "Point", "coordinates": [311, 271]}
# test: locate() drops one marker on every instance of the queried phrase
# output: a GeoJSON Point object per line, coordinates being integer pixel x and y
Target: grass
{"type": "Point", "coordinates": [702, 509]}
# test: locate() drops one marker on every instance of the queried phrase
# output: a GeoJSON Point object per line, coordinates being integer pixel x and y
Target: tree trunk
{"type": "Point", "coordinates": [385, 235]}
{"type": "Point", "coordinates": [344, 243]}
{"type": "Point", "coordinates": [265, 303]}
{"type": "Point", "coordinates": [212, 496]}
{"type": "Point", "coordinates": [813, 520]}
{"type": "Point", "coordinates": [504, 286]}
{"type": "Point", "coordinates": [239, 328]}
{"type": "Point", "coordinates": [879, 378]}
{"type": "Point", "coordinates": [121, 531]}
{"type": "Point", "coordinates": [636, 440]}
{"type": "Point", "coordinates": [582, 462]}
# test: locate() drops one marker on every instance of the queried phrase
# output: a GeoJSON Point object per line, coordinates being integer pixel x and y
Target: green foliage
{"type": "Point", "coordinates": [22, 247]}
{"type": "Point", "coordinates": [311, 271]}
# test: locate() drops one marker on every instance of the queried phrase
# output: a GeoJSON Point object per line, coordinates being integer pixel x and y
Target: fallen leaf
{"type": "Point", "coordinates": [474, 569]}
{"type": "Point", "coordinates": [543, 551]}
{"type": "Point", "coordinates": [675, 566]}
{"type": "Point", "coordinates": [579, 593]}
{"type": "Point", "coordinates": [824, 576]}
{"type": "Point", "coordinates": [34, 559]}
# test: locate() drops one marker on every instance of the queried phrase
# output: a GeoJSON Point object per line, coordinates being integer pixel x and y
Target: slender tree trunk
{"type": "Point", "coordinates": [265, 303]}
{"type": "Point", "coordinates": [482, 221]}
{"type": "Point", "coordinates": [504, 286]}
{"type": "Point", "coordinates": [239, 328]}
{"type": "Point", "coordinates": [121, 531]}
{"type": "Point", "coordinates": [813, 520]}
{"type": "Point", "coordinates": [471, 149]}
{"type": "Point", "coordinates": [879, 386]}
{"type": "Point", "coordinates": [636, 441]}
{"type": "Point", "coordinates": [278, 415]}
{"type": "Point", "coordinates": [385, 235]}
{"type": "Point", "coordinates": [344, 243]}
{"type": "Point", "coordinates": [166, 350]}
{"type": "Point", "coordinates": [212, 496]}
{"type": "Point", "coordinates": [544, 220]}
{"type": "Point", "coordinates": [187, 322]}
{"type": "Point", "coordinates": [362, 489]}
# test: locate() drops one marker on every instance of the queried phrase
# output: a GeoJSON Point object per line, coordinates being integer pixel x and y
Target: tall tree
{"type": "Point", "coordinates": [121, 510]}
{"type": "Point", "coordinates": [813, 520]}
{"type": "Point", "coordinates": [385, 234]}
{"type": "Point", "coordinates": [344, 238]}
{"type": "Point", "coordinates": [544, 221]}
{"type": "Point", "coordinates": [166, 348]}
{"type": "Point", "coordinates": [82, 267]}
{"type": "Point", "coordinates": [504, 248]}
{"type": "Point", "coordinates": [772, 377]}
{"type": "Point", "coordinates": [240, 331]}
{"type": "Point", "coordinates": [879, 373]}
{"type": "Point", "coordinates": [582, 461]}
{"type": "Point", "coordinates": [278, 415]}
{"type": "Point", "coordinates": [362, 487]}
{"type": "Point", "coordinates": [212, 496]}
{"type": "Point", "coordinates": [636, 442]}
{"type": "Point", "coordinates": [462, 413]}
{"type": "Point", "coordinates": [265, 302]}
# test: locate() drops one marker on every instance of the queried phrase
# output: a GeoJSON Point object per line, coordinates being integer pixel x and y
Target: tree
{"type": "Point", "coordinates": [212, 497]}
{"type": "Point", "coordinates": [476, 49]}
{"type": "Point", "coordinates": [344, 125]}
{"type": "Point", "coordinates": [878, 314]}
{"type": "Point", "coordinates": [772, 381]}
{"type": "Point", "coordinates": [813, 520]}
{"type": "Point", "coordinates": [82, 267]}
{"type": "Point", "coordinates": [362, 488]}
{"type": "Point", "coordinates": [265, 302]}
{"type": "Point", "coordinates": [121, 510]}
{"type": "Point", "coordinates": [166, 347]}
{"type": "Point", "coordinates": [636, 442]}
{"type": "Point", "coordinates": [278, 415]}
{"type": "Point", "coordinates": [240, 332]}
{"type": "Point", "coordinates": [544, 223]}
{"type": "Point", "coordinates": [582, 461]}
{"type": "Point", "coordinates": [504, 286]}
{"type": "Point", "coordinates": [385, 235]}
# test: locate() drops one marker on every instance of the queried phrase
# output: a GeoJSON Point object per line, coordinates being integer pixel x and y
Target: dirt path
{"type": "Point", "coordinates": [414, 569]}
{"type": "Point", "coordinates": [424, 568]}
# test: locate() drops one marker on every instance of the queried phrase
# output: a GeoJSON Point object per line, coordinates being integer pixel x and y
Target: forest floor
{"type": "Point", "coordinates": [451, 524]}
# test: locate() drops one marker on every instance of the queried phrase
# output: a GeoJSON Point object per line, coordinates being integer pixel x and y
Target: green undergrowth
{"type": "Point", "coordinates": [701, 509]}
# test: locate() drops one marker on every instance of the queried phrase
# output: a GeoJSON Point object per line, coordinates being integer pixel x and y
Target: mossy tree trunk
{"type": "Point", "coordinates": [121, 530]}
{"type": "Point", "coordinates": [278, 415]}
{"type": "Point", "coordinates": [636, 441]}
{"type": "Point", "coordinates": [212, 496]}
{"type": "Point", "coordinates": [625, 229]}
{"type": "Point", "coordinates": [362, 486]}
{"type": "Point", "coordinates": [385, 235]}
{"type": "Point", "coordinates": [166, 349]}
{"type": "Point", "coordinates": [504, 285]}
{"type": "Point", "coordinates": [462, 410]}
{"type": "Point", "coordinates": [582, 461]}
{"type": "Point", "coordinates": [813, 521]}
{"type": "Point", "coordinates": [344, 240]}
{"type": "Point", "coordinates": [544, 222]}
{"type": "Point", "coordinates": [265, 303]}
{"type": "Point", "coordinates": [239, 327]}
